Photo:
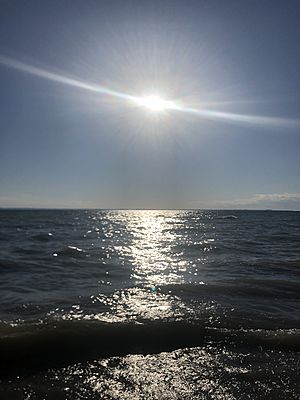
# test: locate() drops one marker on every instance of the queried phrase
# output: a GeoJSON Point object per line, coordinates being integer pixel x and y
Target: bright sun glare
{"type": "Point", "coordinates": [154, 103]}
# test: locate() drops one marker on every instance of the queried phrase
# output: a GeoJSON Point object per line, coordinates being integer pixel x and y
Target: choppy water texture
{"type": "Point", "coordinates": [149, 304]}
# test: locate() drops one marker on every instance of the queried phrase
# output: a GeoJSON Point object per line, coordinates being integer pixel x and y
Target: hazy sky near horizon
{"type": "Point", "coordinates": [65, 145]}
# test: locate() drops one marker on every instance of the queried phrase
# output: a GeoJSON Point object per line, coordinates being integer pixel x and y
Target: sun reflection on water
{"type": "Point", "coordinates": [144, 241]}
{"type": "Point", "coordinates": [150, 252]}
{"type": "Point", "coordinates": [160, 247]}
{"type": "Point", "coordinates": [146, 259]}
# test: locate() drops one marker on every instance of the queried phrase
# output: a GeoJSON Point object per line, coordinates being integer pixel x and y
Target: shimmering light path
{"type": "Point", "coordinates": [153, 103]}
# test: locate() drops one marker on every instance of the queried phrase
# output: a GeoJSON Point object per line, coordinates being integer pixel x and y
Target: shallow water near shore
{"type": "Point", "coordinates": [149, 304]}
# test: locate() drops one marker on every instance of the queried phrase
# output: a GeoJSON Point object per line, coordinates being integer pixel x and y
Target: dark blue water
{"type": "Point", "coordinates": [137, 287]}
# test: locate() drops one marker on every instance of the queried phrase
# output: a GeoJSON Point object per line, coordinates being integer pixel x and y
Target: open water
{"type": "Point", "coordinates": [102, 304]}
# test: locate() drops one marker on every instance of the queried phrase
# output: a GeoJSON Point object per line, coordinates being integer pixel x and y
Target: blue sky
{"type": "Point", "coordinates": [235, 62]}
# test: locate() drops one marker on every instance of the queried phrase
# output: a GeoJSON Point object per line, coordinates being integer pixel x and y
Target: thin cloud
{"type": "Point", "coordinates": [283, 200]}
{"type": "Point", "coordinates": [277, 197]}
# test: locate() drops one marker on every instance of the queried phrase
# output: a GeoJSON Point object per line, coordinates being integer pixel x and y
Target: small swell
{"type": "Point", "coordinates": [227, 217]}
{"type": "Point", "coordinates": [70, 251]}
{"type": "Point", "coordinates": [31, 347]}
{"type": "Point", "coordinates": [8, 265]}
{"type": "Point", "coordinates": [253, 288]}
{"type": "Point", "coordinates": [42, 237]}
{"type": "Point", "coordinates": [27, 251]}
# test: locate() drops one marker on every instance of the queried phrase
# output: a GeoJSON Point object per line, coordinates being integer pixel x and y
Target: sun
{"type": "Point", "coordinates": [154, 103]}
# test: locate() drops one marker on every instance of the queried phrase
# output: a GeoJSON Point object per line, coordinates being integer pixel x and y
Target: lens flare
{"type": "Point", "coordinates": [153, 103]}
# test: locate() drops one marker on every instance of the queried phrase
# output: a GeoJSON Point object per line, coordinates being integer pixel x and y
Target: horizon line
{"type": "Point", "coordinates": [142, 209]}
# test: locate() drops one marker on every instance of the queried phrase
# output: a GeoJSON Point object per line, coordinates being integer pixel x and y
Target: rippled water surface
{"type": "Point", "coordinates": [149, 304]}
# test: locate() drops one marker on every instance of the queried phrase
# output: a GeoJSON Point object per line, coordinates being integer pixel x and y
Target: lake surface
{"type": "Point", "coordinates": [149, 304]}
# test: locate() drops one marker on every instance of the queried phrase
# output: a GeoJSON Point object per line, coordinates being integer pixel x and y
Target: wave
{"type": "Point", "coordinates": [8, 265]}
{"type": "Point", "coordinates": [42, 237]}
{"type": "Point", "coordinates": [27, 348]}
{"type": "Point", "coordinates": [253, 288]}
{"type": "Point", "coordinates": [70, 251]}
{"type": "Point", "coordinates": [227, 217]}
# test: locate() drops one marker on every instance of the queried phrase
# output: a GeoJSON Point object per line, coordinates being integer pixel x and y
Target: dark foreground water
{"type": "Point", "coordinates": [149, 304]}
